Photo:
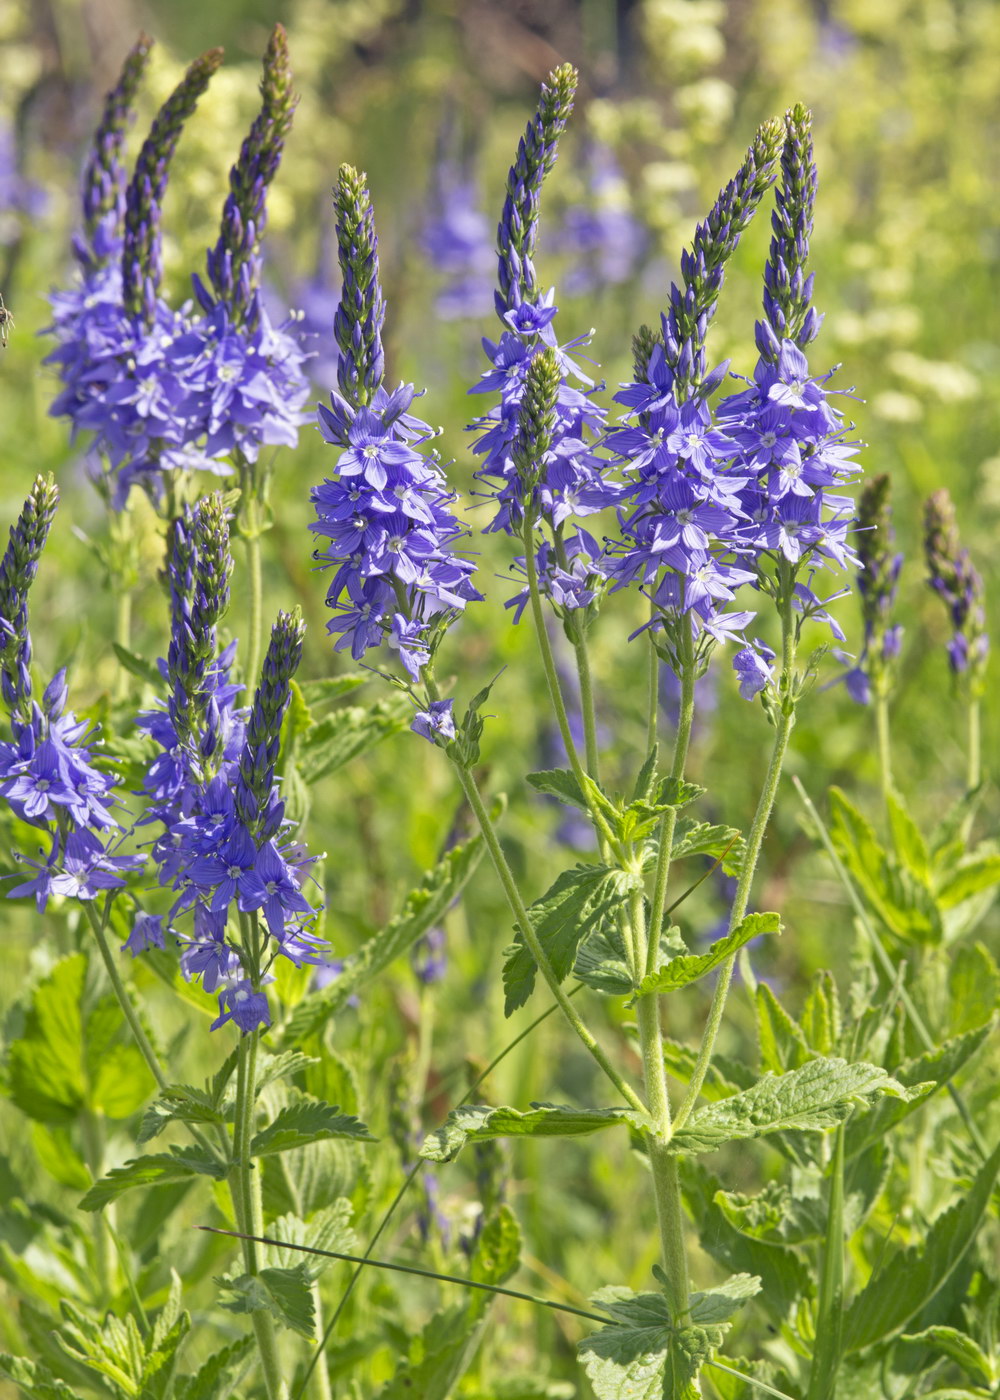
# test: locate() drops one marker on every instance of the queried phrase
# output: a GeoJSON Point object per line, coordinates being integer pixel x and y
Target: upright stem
{"type": "Point", "coordinates": [545, 646]}
{"type": "Point", "coordinates": [652, 690]}
{"type": "Point", "coordinates": [668, 822]}
{"type": "Point", "coordinates": [587, 706]}
{"type": "Point", "coordinates": [783, 727]}
{"type": "Point", "coordinates": [526, 927]}
{"type": "Point", "coordinates": [93, 1151]}
{"type": "Point", "coordinates": [830, 1314]}
{"type": "Point", "coordinates": [974, 771]}
{"type": "Point", "coordinates": [884, 744]}
{"type": "Point", "coordinates": [249, 518]}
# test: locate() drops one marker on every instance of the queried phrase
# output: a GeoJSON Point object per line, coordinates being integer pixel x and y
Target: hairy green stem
{"type": "Point", "coordinates": [884, 743]}
{"type": "Point", "coordinates": [523, 921]}
{"type": "Point", "coordinates": [663, 1164]}
{"type": "Point", "coordinates": [652, 689]}
{"type": "Point", "coordinates": [93, 1152]}
{"type": "Point", "coordinates": [974, 770]}
{"type": "Point", "coordinates": [830, 1312]}
{"type": "Point", "coordinates": [587, 706]}
{"type": "Point", "coordinates": [250, 529]}
{"type": "Point", "coordinates": [668, 822]}
{"type": "Point", "coordinates": [784, 723]}
{"type": "Point", "coordinates": [125, 1001]}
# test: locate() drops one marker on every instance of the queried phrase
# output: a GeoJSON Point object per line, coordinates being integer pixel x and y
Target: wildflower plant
{"type": "Point", "coordinates": [178, 849]}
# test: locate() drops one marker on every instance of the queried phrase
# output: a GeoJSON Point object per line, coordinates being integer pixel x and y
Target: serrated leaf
{"type": "Point", "coordinates": [703, 839]}
{"type": "Point", "coordinates": [498, 1248]}
{"type": "Point", "coordinates": [561, 784]}
{"type": "Point", "coordinates": [725, 1076]}
{"type": "Point", "coordinates": [780, 1039]}
{"type": "Point", "coordinates": [35, 1380]}
{"type": "Point", "coordinates": [304, 1121]}
{"type": "Point", "coordinates": [973, 987]}
{"type": "Point", "coordinates": [902, 903]}
{"type": "Point", "coordinates": [681, 971]}
{"type": "Point", "coordinates": [627, 1359]}
{"type": "Point", "coordinates": [817, 1096]}
{"type": "Point", "coordinates": [480, 1122]}
{"type": "Point", "coordinates": [820, 1022]}
{"type": "Point", "coordinates": [896, 1292]}
{"type": "Point", "coordinates": [329, 688]}
{"type": "Point", "coordinates": [960, 1348]}
{"type": "Point", "coordinates": [284, 1293]}
{"type": "Point", "coordinates": [718, 1304]}
{"type": "Point", "coordinates": [179, 1164]}
{"type": "Point", "coordinates": [979, 873]}
{"type": "Point", "coordinates": [345, 734]}
{"type": "Point", "coordinates": [424, 908]}
{"type": "Point", "coordinates": [601, 963]}
{"type": "Point", "coordinates": [75, 1051]}
{"type": "Point", "coordinates": [180, 1103]}
{"type": "Point", "coordinates": [921, 1078]}
{"type": "Point", "coordinates": [909, 845]}
{"type": "Point", "coordinates": [271, 1068]}
{"type": "Point", "coordinates": [579, 902]}
{"type": "Point", "coordinates": [327, 1229]}
{"type": "Point", "coordinates": [221, 1373]}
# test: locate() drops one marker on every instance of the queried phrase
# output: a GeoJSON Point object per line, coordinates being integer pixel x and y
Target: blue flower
{"type": "Point", "coordinates": [436, 723]}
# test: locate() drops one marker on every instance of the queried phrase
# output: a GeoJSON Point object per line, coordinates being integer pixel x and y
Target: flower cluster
{"type": "Point", "coordinates": [162, 389]}
{"type": "Point", "coordinates": [556, 477]}
{"type": "Point", "coordinates": [740, 496]}
{"type": "Point", "coordinates": [387, 513]}
{"type": "Point", "coordinates": [877, 578]}
{"type": "Point", "coordinates": [48, 774]}
{"type": "Point", "coordinates": [952, 575]}
{"type": "Point", "coordinates": [214, 790]}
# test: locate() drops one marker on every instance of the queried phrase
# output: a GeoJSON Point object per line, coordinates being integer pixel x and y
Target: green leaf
{"type": "Point", "coordinates": [817, 1096]}
{"type": "Point", "coordinates": [180, 1103]}
{"type": "Point", "coordinates": [577, 903]}
{"type": "Point", "coordinates": [221, 1373]}
{"type": "Point", "coordinates": [329, 688]}
{"type": "Point", "coordinates": [782, 1044]}
{"type": "Point", "coordinates": [897, 1291]}
{"type": "Point", "coordinates": [821, 1019]}
{"type": "Point", "coordinates": [561, 784]}
{"type": "Point", "coordinates": [725, 1076]}
{"type": "Point", "coordinates": [137, 666]}
{"type": "Point", "coordinates": [718, 1304]}
{"type": "Point", "coordinates": [903, 904]}
{"type": "Point", "coordinates": [284, 1293]}
{"type": "Point", "coordinates": [329, 1228]}
{"type": "Point", "coordinates": [960, 1348]}
{"type": "Point", "coordinates": [271, 1068]}
{"type": "Point", "coordinates": [906, 838]}
{"type": "Point", "coordinates": [920, 1078]}
{"type": "Point", "coordinates": [76, 1051]}
{"type": "Point", "coordinates": [304, 1121]}
{"type": "Point", "coordinates": [58, 1155]}
{"type": "Point", "coordinates": [973, 987]}
{"type": "Point", "coordinates": [627, 1359]}
{"type": "Point", "coordinates": [34, 1379]}
{"type": "Point", "coordinates": [344, 734]}
{"type": "Point", "coordinates": [702, 839]}
{"type": "Point", "coordinates": [480, 1122]}
{"type": "Point", "coordinates": [980, 873]}
{"type": "Point", "coordinates": [602, 964]}
{"type": "Point", "coordinates": [157, 1169]}
{"type": "Point", "coordinates": [679, 972]}
{"type": "Point", "coordinates": [498, 1249]}
{"type": "Point", "coordinates": [424, 908]}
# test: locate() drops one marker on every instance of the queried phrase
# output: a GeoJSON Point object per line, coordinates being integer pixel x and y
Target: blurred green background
{"type": "Point", "coordinates": [905, 102]}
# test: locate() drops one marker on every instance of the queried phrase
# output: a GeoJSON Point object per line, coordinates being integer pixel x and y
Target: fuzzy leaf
{"type": "Point", "coordinates": [980, 873]}
{"type": "Point", "coordinates": [329, 1228]}
{"type": "Point", "coordinates": [304, 1121]}
{"type": "Point", "coordinates": [679, 972]}
{"type": "Point", "coordinates": [602, 965]}
{"type": "Point", "coordinates": [894, 896]}
{"type": "Point", "coordinates": [284, 1293]}
{"type": "Point", "coordinates": [718, 1304]}
{"type": "Point", "coordinates": [221, 1373]}
{"type": "Point", "coordinates": [180, 1103]}
{"type": "Point", "coordinates": [702, 839]}
{"type": "Point", "coordinates": [480, 1122]}
{"type": "Point", "coordinates": [819, 1095]}
{"type": "Point", "coordinates": [960, 1348]}
{"type": "Point", "coordinates": [627, 1359]}
{"type": "Point", "coordinates": [907, 840]}
{"type": "Point", "coordinates": [179, 1164]}
{"type": "Point", "coordinates": [897, 1291]}
{"type": "Point", "coordinates": [782, 1044]}
{"type": "Point", "coordinates": [561, 784]}
{"type": "Point", "coordinates": [329, 688]}
{"type": "Point", "coordinates": [271, 1068]}
{"type": "Point", "coordinates": [344, 734]}
{"type": "Point", "coordinates": [34, 1379]}
{"type": "Point", "coordinates": [973, 987]}
{"type": "Point", "coordinates": [579, 902]}
{"type": "Point", "coordinates": [424, 908]}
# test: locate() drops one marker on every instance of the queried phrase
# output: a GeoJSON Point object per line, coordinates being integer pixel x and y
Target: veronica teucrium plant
{"type": "Point", "coordinates": [168, 834]}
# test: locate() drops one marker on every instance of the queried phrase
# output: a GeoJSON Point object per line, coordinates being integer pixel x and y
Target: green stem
{"type": "Point", "coordinates": [783, 728]}
{"type": "Point", "coordinates": [891, 972]}
{"type": "Point", "coordinates": [652, 690]}
{"type": "Point", "coordinates": [830, 1312]}
{"type": "Point", "coordinates": [93, 1151]}
{"type": "Point", "coordinates": [526, 927]}
{"type": "Point", "coordinates": [249, 524]}
{"type": "Point", "coordinates": [884, 744]}
{"type": "Point", "coordinates": [587, 705]}
{"type": "Point", "coordinates": [663, 1164]}
{"type": "Point", "coordinates": [668, 822]}
{"type": "Point", "coordinates": [974, 772]}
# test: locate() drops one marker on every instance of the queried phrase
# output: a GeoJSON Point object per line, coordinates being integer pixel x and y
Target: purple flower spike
{"type": "Point", "coordinates": [240, 1004]}
{"type": "Point", "coordinates": [436, 724]}
{"type": "Point", "coordinates": [954, 578]}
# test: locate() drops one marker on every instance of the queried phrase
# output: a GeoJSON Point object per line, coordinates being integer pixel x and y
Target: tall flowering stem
{"type": "Point", "coordinates": [787, 287]}
{"type": "Point", "coordinates": [877, 578]}
{"type": "Point", "coordinates": [952, 575]}
{"type": "Point", "coordinates": [17, 573]}
{"type": "Point", "coordinates": [142, 259]}
{"type": "Point", "coordinates": [104, 175]}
